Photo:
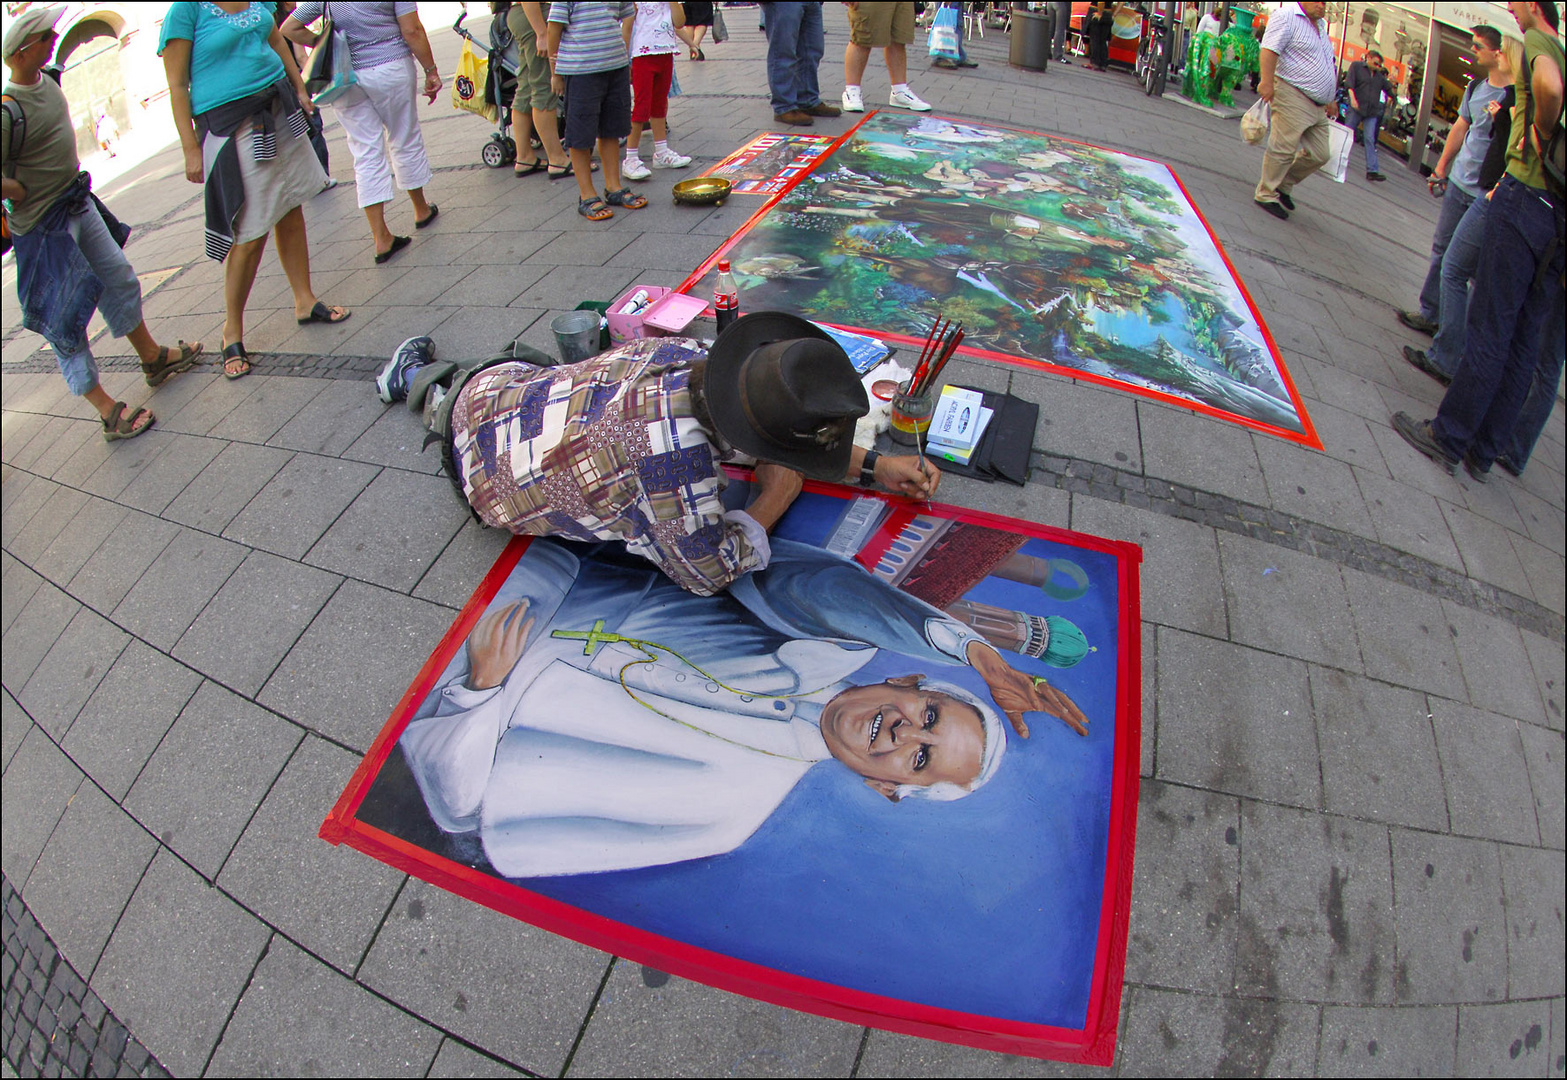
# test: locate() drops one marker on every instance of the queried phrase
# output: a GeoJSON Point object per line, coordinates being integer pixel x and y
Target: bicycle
{"type": "Point", "coordinates": [1153, 57]}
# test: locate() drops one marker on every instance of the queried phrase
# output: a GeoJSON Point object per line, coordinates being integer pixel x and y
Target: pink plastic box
{"type": "Point", "coordinates": [625, 327]}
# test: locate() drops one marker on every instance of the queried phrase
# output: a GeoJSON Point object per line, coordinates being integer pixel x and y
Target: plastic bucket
{"type": "Point", "coordinates": [576, 335]}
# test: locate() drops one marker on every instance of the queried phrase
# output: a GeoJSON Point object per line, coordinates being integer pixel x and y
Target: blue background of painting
{"type": "Point", "coordinates": [986, 905]}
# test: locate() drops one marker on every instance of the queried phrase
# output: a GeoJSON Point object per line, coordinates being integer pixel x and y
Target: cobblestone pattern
{"type": "Point", "coordinates": [52, 1024]}
{"type": "Point", "coordinates": [1274, 527]}
{"type": "Point", "coordinates": [1104, 482]}
{"type": "Point", "coordinates": [304, 365]}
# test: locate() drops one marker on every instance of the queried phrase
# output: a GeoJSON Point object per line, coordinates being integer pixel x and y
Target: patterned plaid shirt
{"type": "Point", "coordinates": [608, 449]}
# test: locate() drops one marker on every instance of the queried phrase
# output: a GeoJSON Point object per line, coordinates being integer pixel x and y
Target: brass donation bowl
{"type": "Point", "coordinates": [702, 191]}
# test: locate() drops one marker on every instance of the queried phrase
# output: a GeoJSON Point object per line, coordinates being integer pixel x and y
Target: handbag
{"type": "Point", "coordinates": [944, 34]}
{"type": "Point", "coordinates": [330, 70]}
{"type": "Point", "coordinates": [720, 31]}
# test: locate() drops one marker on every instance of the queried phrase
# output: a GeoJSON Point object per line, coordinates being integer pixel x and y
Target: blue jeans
{"type": "Point", "coordinates": [1454, 203]}
{"type": "Point", "coordinates": [67, 265]}
{"type": "Point", "coordinates": [795, 44]}
{"type": "Point", "coordinates": [1458, 270]}
{"type": "Point", "coordinates": [1542, 392]}
{"type": "Point", "coordinates": [1368, 135]}
{"type": "Point", "coordinates": [1479, 413]}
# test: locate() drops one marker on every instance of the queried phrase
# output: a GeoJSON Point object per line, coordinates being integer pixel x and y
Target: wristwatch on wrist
{"type": "Point", "coordinates": [868, 469]}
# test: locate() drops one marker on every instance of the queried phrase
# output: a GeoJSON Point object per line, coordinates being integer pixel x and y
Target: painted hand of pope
{"type": "Point", "coordinates": [1016, 693]}
{"type": "Point", "coordinates": [496, 645]}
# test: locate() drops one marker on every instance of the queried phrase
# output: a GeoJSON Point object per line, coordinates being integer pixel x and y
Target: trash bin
{"type": "Point", "coordinates": [1030, 46]}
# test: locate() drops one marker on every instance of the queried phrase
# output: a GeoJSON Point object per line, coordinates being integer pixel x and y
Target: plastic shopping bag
{"type": "Point", "coordinates": [468, 87]}
{"type": "Point", "coordinates": [1254, 125]}
{"type": "Point", "coordinates": [1341, 139]}
{"type": "Point", "coordinates": [944, 34]}
{"type": "Point", "coordinates": [720, 30]}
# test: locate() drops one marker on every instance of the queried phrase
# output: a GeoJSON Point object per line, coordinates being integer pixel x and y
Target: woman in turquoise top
{"type": "Point", "coordinates": [239, 107]}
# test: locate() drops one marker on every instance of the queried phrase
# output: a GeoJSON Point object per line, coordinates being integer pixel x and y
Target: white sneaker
{"type": "Point", "coordinates": [852, 101]}
{"type": "Point", "coordinates": [633, 169]}
{"type": "Point", "coordinates": [908, 99]}
{"type": "Point", "coordinates": [669, 159]}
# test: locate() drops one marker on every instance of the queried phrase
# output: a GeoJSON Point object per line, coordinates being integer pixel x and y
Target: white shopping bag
{"type": "Point", "coordinates": [1341, 140]}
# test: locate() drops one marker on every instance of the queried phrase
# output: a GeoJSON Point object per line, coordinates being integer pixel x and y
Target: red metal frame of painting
{"type": "Point", "coordinates": [1094, 1044]}
{"type": "Point", "coordinates": [1307, 436]}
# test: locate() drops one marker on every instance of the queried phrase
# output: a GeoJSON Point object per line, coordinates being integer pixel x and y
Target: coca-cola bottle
{"type": "Point", "coordinates": [726, 297]}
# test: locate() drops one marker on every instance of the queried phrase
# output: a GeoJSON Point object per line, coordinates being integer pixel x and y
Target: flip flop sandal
{"type": "Point", "coordinates": [323, 314]}
{"type": "Point", "coordinates": [118, 426]}
{"type": "Point", "coordinates": [434, 210]}
{"type": "Point", "coordinates": [232, 353]}
{"type": "Point", "coordinates": [398, 243]}
{"type": "Point", "coordinates": [538, 165]}
{"type": "Point", "coordinates": [168, 365]}
{"type": "Point", "coordinates": [631, 200]}
{"type": "Point", "coordinates": [594, 209]}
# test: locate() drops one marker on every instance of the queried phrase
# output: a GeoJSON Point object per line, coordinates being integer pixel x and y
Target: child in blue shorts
{"type": "Point", "coordinates": [590, 65]}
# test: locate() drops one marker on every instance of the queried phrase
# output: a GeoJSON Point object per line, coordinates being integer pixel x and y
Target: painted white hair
{"type": "Point", "coordinates": [989, 758]}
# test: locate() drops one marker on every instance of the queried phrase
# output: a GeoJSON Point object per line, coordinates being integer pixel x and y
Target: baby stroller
{"type": "Point", "coordinates": [500, 149]}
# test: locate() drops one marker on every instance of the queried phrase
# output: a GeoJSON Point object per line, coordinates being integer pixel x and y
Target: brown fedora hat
{"type": "Point", "coordinates": [780, 389]}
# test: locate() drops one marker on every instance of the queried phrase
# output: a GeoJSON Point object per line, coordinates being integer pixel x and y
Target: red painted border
{"type": "Point", "coordinates": [1306, 437]}
{"type": "Point", "coordinates": [1093, 1045]}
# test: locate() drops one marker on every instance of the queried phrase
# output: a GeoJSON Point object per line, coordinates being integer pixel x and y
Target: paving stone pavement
{"type": "Point", "coordinates": [1350, 855]}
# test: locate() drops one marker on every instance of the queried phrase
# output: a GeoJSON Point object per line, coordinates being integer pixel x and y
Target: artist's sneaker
{"type": "Point", "coordinates": [632, 168]}
{"type": "Point", "coordinates": [908, 99]}
{"type": "Point", "coordinates": [668, 158]}
{"type": "Point", "coordinates": [392, 384]}
{"type": "Point", "coordinates": [852, 100]}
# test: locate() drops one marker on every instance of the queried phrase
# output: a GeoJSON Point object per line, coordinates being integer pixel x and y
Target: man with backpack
{"type": "Point", "coordinates": [1520, 271]}
{"type": "Point", "coordinates": [68, 257]}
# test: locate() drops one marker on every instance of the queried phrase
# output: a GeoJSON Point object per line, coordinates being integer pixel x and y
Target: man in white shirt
{"type": "Point", "coordinates": [604, 719]}
{"type": "Point", "coordinates": [1299, 79]}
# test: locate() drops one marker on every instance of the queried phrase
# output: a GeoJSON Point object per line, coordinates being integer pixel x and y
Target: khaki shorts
{"type": "Point", "coordinates": [877, 25]}
{"type": "Point", "coordinates": [533, 81]}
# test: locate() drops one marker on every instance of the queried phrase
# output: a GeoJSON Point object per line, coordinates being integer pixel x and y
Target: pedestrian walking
{"type": "Point", "coordinates": [1299, 79]}
{"type": "Point", "coordinates": [380, 112]}
{"type": "Point", "coordinates": [240, 110]}
{"type": "Point", "coordinates": [699, 17]}
{"type": "Point", "coordinates": [68, 257]}
{"type": "Point", "coordinates": [1368, 89]}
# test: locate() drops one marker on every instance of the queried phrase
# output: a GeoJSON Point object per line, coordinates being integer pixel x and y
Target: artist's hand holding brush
{"type": "Point", "coordinates": [915, 477]}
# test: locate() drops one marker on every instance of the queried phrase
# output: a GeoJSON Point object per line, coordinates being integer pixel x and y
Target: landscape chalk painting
{"type": "Point", "coordinates": [1052, 254]}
